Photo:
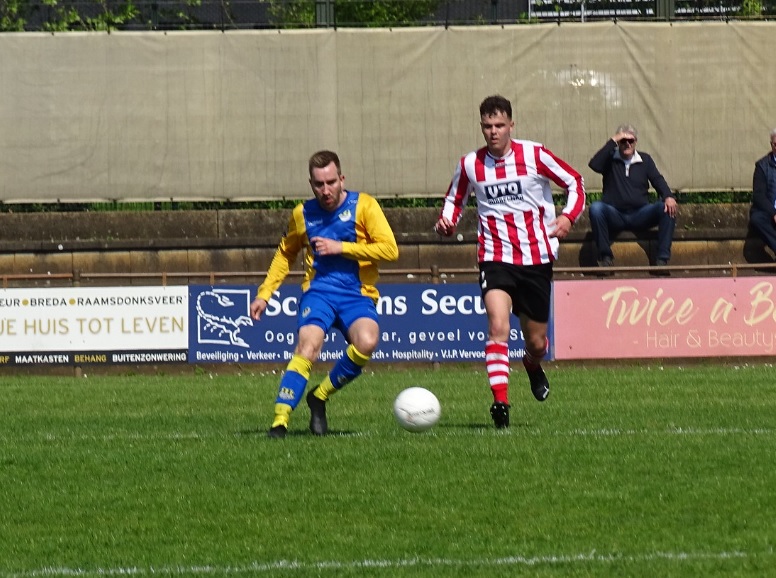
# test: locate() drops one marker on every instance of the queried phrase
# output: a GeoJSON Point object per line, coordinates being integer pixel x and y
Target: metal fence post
{"type": "Point", "coordinates": [665, 9]}
{"type": "Point", "coordinates": [324, 13]}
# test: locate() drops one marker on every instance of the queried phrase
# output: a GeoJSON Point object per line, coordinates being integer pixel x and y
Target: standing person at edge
{"type": "Point", "coordinates": [624, 205]}
{"type": "Point", "coordinates": [517, 242]}
{"type": "Point", "coordinates": [344, 235]}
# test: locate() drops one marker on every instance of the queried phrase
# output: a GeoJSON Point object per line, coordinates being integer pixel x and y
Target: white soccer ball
{"type": "Point", "coordinates": [417, 409]}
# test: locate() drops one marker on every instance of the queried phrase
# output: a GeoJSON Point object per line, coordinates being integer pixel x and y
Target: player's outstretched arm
{"type": "Point", "coordinates": [285, 255]}
{"type": "Point", "coordinates": [257, 308]}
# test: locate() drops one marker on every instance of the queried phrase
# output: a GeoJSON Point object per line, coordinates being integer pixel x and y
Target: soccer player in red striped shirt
{"type": "Point", "coordinates": [518, 238]}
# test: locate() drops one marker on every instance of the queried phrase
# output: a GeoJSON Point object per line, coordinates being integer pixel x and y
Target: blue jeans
{"type": "Point", "coordinates": [607, 222]}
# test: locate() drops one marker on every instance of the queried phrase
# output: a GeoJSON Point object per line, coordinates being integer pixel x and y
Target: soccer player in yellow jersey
{"type": "Point", "coordinates": [344, 235]}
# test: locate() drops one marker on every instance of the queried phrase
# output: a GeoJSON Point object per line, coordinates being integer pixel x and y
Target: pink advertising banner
{"type": "Point", "coordinates": [643, 318]}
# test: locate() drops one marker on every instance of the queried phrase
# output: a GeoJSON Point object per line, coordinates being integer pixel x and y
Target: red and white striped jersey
{"type": "Point", "coordinates": [514, 201]}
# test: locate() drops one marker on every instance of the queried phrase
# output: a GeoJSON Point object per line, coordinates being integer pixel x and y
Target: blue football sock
{"type": "Point", "coordinates": [294, 381]}
{"type": "Point", "coordinates": [348, 367]}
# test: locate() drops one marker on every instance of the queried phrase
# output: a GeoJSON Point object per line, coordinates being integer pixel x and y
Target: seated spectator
{"type": "Point", "coordinates": [762, 214]}
{"type": "Point", "coordinates": [625, 204]}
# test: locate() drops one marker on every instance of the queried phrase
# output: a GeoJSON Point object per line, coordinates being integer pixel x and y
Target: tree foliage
{"type": "Point", "coordinates": [98, 15]}
{"type": "Point", "coordinates": [107, 15]}
{"type": "Point", "coordinates": [368, 13]}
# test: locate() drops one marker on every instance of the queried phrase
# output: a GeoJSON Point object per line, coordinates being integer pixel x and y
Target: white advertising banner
{"type": "Point", "coordinates": [73, 325]}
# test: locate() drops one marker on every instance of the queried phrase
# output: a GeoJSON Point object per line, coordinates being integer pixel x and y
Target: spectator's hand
{"type": "Point", "coordinates": [323, 246]}
{"type": "Point", "coordinates": [257, 308]}
{"type": "Point", "coordinates": [670, 207]}
{"type": "Point", "coordinates": [621, 135]}
{"type": "Point", "coordinates": [444, 227]}
{"type": "Point", "coordinates": [560, 227]}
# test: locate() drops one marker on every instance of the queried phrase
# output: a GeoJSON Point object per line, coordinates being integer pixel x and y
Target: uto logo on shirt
{"type": "Point", "coordinates": [504, 192]}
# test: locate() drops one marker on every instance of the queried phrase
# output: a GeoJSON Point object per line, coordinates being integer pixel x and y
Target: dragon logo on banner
{"type": "Point", "coordinates": [221, 315]}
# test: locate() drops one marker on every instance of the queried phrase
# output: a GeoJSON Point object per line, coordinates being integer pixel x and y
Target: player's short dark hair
{"type": "Point", "coordinates": [323, 159]}
{"type": "Point", "coordinates": [495, 104]}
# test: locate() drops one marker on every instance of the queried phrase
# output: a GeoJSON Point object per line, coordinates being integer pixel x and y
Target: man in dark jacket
{"type": "Point", "coordinates": [762, 214]}
{"type": "Point", "coordinates": [625, 204]}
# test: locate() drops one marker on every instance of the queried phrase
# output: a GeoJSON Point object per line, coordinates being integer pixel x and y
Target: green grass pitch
{"type": "Point", "coordinates": [625, 471]}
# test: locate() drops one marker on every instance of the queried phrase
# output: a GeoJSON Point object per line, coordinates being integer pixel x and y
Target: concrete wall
{"type": "Point", "coordinates": [236, 246]}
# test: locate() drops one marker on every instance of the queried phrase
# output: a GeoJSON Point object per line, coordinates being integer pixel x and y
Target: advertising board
{"type": "Point", "coordinates": [80, 325]}
{"type": "Point", "coordinates": [657, 318]}
{"type": "Point", "coordinates": [418, 323]}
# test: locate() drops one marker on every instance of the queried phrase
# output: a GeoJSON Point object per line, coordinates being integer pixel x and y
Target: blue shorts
{"type": "Point", "coordinates": [327, 310]}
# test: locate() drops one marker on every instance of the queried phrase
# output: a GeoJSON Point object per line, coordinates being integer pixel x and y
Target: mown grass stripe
{"type": "Point", "coordinates": [291, 565]}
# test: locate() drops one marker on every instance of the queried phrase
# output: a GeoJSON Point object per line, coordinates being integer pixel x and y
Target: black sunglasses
{"type": "Point", "coordinates": [629, 141]}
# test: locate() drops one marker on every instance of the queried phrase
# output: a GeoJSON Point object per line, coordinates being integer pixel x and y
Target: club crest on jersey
{"type": "Point", "coordinates": [345, 215]}
{"type": "Point", "coordinates": [504, 192]}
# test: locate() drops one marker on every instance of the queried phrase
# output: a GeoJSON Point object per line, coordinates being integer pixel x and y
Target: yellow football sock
{"type": "Point", "coordinates": [356, 356]}
{"type": "Point", "coordinates": [282, 414]}
{"type": "Point", "coordinates": [301, 365]}
{"type": "Point", "coordinates": [324, 389]}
